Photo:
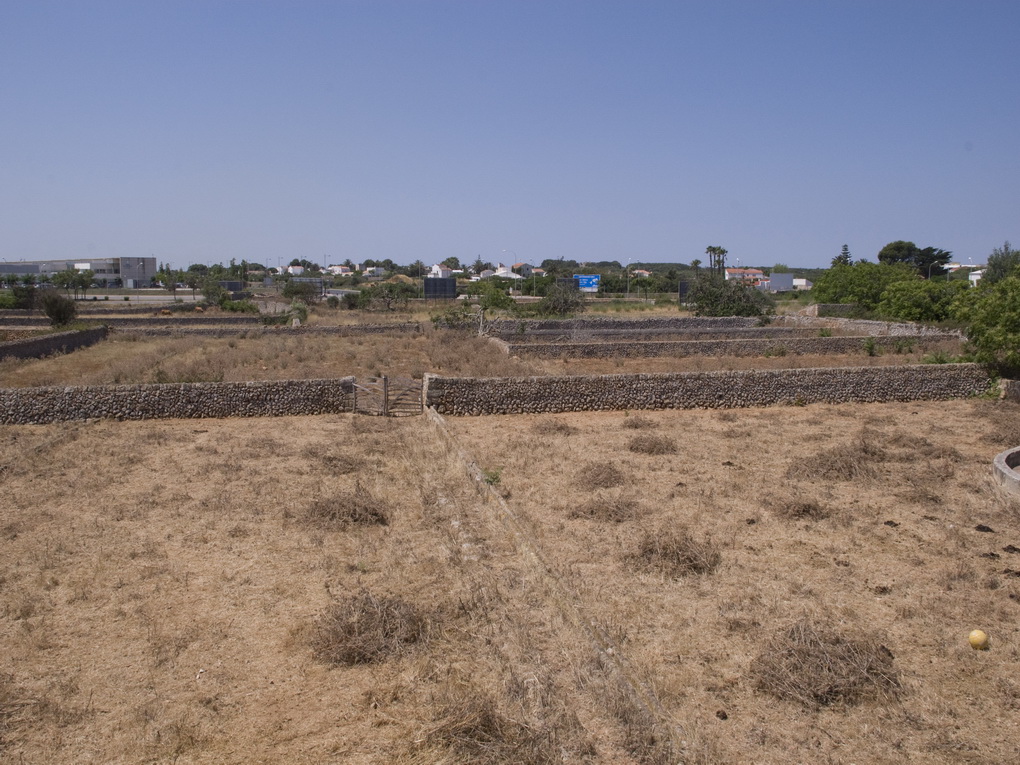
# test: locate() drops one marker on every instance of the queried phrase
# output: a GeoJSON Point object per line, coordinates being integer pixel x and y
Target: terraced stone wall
{"type": "Point", "coordinates": [504, 327]}
{"type": "Point", "coordinates": [277, 398]}
{"type": "Point", "coordinates": [703, 390]}
{"type": "Point", "coordinates": [46, 345]}
{"type": "Point", "coordinates": [680, 348]}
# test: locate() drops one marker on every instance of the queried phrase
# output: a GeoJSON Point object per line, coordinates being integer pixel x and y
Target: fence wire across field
{"type": "Point", "coordinates": [388, 396]}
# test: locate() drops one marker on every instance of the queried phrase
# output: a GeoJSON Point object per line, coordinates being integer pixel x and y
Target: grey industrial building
{"type": "Point", "coordinates": [126, 272]}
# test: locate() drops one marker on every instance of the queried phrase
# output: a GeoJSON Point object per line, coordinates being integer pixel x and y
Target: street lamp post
{"type": "Point", "coordinates": [628, 278]}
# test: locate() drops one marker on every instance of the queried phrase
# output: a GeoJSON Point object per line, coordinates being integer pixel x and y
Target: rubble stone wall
{"type": "Point", "coordinates": [703, 390]}
{"type": "Point", "coordinates": [276, 398]}
{"type": "Point", "coordinates": [822, 346]}
{"type": "Point", "coordinates": [46, 345]}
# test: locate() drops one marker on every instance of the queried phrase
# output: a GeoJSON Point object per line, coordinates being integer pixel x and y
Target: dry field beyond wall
{"type": "Point", "coordinates": [129, 358]}
{"type": "Point", "coordinates": [877, 527]}
{"type": "Point", "coordinates": [165, 588]}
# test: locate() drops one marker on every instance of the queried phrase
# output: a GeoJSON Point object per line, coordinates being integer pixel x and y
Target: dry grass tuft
{"type": "Point", "coordinates": [800, 510]}
{"type": "Point", "coordinates": [602, 507]}
{"type": "Point", "coordinates": [845, 462]}
{"type": "Point", "coordinates": [816, 665]}
{"type": "Point", "coordinates": [637, 422]}
{"type": "Point", "coordinates": [649, 444]}
{"type": "Point", "coordinates": [472, 725]}
{"type": "Point", "coordinates": [918, 447]}
{"type": "Point", "coordinates": [364, 628]}
{"type": "Point", "coordinates": [354, 508]}
{"type": "Point", "coordinates": [676, 553]}
{"type": "Point", "coordinates": [553, 428]}
{"type": "Point", "coordinates": [600, 475]}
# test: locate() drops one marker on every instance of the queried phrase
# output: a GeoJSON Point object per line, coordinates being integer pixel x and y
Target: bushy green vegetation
{"type": "Point", "coordinates": [712, 295]}
{"type": "Point", "coordinates": [862, 283]}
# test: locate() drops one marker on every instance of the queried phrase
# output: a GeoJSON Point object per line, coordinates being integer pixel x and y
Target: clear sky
{"type": "Point", "coordinates": [514, 130]}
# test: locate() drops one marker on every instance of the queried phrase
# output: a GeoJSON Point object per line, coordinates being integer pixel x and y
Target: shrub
{"type": "Point", "coordinates": [239, 306]}
{"type": "Point", "coordinates": [652, 444]}
{"type": "Point", "coordinates": [333, 302]}
{"type": "Point", "coordinates": [363, 628]}
{"type": "Point", "coordinates": [676, 553]}
{"type": "Point", "coordinates": [816, 665]}
{"type": "Point", "coordinates": [59, 309]}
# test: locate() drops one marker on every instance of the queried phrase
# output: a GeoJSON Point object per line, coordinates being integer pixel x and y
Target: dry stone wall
{"type": "Point", "coordinates": [46, 345]}
{"type": "Point", "coordinates": [702, 390]}
{"type": "Point", "coordinates": [681, 348]}
{"type": "Point", "coordinates": [277, 398]}
{"type": "Point", "coordinates": [509, 327]}
{"type": "Point", "coordinates": [869, 326]}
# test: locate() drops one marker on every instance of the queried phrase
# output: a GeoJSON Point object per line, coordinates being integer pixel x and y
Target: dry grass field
{"type": "Point", "coordinates": [133, 358]}
{"type": "Point", "coordinates": [794, 584]}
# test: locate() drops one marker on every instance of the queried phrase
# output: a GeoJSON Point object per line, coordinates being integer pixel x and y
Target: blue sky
{"type": "Point", "coordinates": [210, 130]}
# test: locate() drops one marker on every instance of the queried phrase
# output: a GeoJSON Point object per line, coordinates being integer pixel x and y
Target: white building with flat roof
{"type": "Point", "coordinates": [109, 272]}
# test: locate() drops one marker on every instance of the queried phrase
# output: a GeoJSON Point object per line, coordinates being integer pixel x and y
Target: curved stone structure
{"type": "Point", "coordinates": [1004, 468]}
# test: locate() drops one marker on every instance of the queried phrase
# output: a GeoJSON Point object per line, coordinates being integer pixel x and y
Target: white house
{"type": "Point", "coordinates": [505, 273]}
{"type": "Point", "coordinates": [439, 271]}
{"type": "Point", "coordinates": [295, 270]}
{"type": "Point", "coordinates": [752, 275]}
{"type": "Point", "coordinates": [802, 284]}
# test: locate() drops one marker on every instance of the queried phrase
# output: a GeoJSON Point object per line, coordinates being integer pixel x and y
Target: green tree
{"type": "Point", "coordinates": [83, 281]}
{"type": "Point", "coordinates": [780, 268]}
{"type": "Point", "coordinates": [920, 300]}
{"type": "Point", "coordinates": [1001, 263]}
{"type": "Point", "coordinates": [452, 262]}
{"type": "Point", "coordinates": [212, 292]}
{"type": "Point", "coordinates": [65, 280]}
{"type": "Point", "coordinates": [843, 259]}
{"type": "Point", "coordinates": [713, 295]}
{"type": "Point", "coordinates": [899, 251]}
{"type": "Point", "coordinates": [308, 292]}
{"type": "Point", "coordinates": [927, 262]}
{"type": "Point", "coordinates": [59, 309]}
{"type": "Point", "coordinates": [561, 300]}
{"type": "Point", "coordinates": [716, 259]}
{"type": "Point", "coordinates": [992, 315]}
{"type": "Point", "coordinates": [862, 283]}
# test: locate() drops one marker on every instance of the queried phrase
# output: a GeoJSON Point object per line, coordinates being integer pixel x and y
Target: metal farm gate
{"type": "Point", "coordinates": [387, 396]}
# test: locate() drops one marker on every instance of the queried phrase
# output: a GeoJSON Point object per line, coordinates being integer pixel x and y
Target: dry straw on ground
{"type": "Point", "coordinates": [676, 553]}
{"type": "Point", "coordinates": [652, 444]}
{"type": "Point", "coordinates": [347, 508]}
{"type": "Point", "coordinates": [365, 628]}
{"type": "Point", "coordinates": [816, 664]}
{"type": "Point", "coordinates": [600, 475]}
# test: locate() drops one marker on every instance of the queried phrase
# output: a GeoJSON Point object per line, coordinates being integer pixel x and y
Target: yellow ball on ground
{"type": "Point", "coordinates": [978, 640]}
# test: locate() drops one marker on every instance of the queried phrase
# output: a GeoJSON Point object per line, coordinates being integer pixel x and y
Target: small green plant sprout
{"type": "Point", "coordinates": [825, 332]}
{"type": "Point", "coordinates": [492, 477]}
{"type": "Point", "coordinates": [870, 346]}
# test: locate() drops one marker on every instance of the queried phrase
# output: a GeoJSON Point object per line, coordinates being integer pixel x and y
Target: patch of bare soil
{"type": "Point", "coordinates": [831, 562]}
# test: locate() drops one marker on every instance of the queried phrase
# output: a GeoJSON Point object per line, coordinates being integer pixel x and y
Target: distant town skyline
{"type": "Point", "coordinates": [592, 130]}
